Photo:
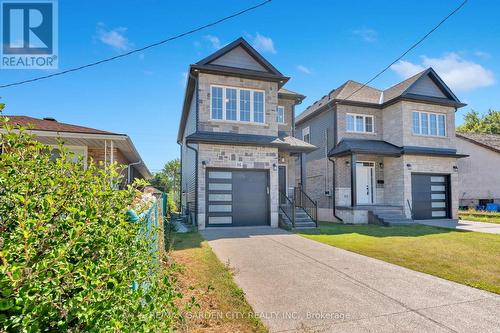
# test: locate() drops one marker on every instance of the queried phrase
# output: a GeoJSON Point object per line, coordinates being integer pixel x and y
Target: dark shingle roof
{"type": "Point", "coordinates": [490, 141]}
{"type": "Point", "coordinates": [349, 146]}
{"type": "Point", "coordinates": [384, 148]}
{"type": "Point", "coordinates": [283, 142]}
{"type": "Point", "coordinates": [348, 92]}
{"type": "Point", "coordinates": [52, 125]}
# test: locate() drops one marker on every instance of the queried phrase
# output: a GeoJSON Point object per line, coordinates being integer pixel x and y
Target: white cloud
{"type": "Point", "coordinates": [263, 43]}
{"type": "Point", "coordinates": [184, 79]}
{"type": "Point", "coordinates": [458, 73]}
{"type": "Point", "coordinates": [368, 35]}
{"type": "Point", "coordinates": [114, 37]}
{"type": "Point", "coordinates": [214, 40]}
{"type": "Point", "coordinates": [303, 69]}
{"type": "Point", "coordinates": [482, 54]}
{"type": "Point", "coordinates": [406, 69]}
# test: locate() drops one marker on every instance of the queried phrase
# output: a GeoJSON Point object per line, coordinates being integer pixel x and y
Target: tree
{"type": "Point", "coordinates": [70, 261]}
{"type": "Point", "coordinates": [487, 123]}
{"type": "Point", "coordinates": [167, 180]}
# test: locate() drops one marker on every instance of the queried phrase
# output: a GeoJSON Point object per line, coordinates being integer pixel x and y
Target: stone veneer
{"type": "Point", "coordinates": [238, 157]}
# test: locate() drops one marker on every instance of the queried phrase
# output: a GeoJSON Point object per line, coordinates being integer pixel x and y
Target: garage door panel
{"type": "Point", "coordinates": [237, 197]}
{"type": "Point", "coordinates": [430, 196]}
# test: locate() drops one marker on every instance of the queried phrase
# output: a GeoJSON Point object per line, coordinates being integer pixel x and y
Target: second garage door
{"type": "Point", "coordinates": [237, 197]}
{"type": "Point", "coordinates": [431, 196]}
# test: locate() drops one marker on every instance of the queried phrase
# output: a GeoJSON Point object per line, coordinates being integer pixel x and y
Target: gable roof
{"type": "Point", "coordinates": [409, 89]}
{"type": "Point", "coordinates": [52, 125]}
{"type": "Point", "coordinates": [261, 69]}
{"type": "Point", "coordinates": [488, 141]}
{"type": "Point", "coordinates": [244, 45]}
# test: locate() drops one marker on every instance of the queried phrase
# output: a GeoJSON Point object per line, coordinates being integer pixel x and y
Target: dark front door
{"type": "Point", "coordinates": [282, 183]}
{"type": "Point", "coordinates": [237, 197]}
{"type": "Point", "coordinates": [431, 196]}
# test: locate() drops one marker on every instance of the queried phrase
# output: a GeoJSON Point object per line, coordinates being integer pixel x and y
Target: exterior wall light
{"type": "Point", "coordinates": [381, 165]}
{"type": "Point", "coordinates": [408, 166]}
{"type": "Point", "coordinates": [455, 168]}
{"type": "Point", "coordinates": [275, 167]}
{"type": "Point", "coordinates": [204, 164]}
{"type": "Point", "coordinates": [347, 163]}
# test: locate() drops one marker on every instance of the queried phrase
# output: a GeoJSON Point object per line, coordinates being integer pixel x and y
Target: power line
{"type": "Point", "coordinates": [407, 51]}
{"type": "Point", "coordinates": [139, 49]}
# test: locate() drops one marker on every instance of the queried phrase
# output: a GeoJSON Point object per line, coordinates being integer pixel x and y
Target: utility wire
{"type": "Point", "coordinates": [407, 51]}
{"type": "Point", "coordinates": [203, 27]}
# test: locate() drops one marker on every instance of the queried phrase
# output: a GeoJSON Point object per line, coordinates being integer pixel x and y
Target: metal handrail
{"type": "Point", "coordinates": [305, 202]}
{"type": "Point", "coordinates": [409, 206]}
{"type": "Point", "coordinates": [291, 205]}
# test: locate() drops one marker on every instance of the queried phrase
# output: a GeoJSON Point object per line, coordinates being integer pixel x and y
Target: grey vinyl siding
{"type": "Point", "coordinates": [426, 87]}
{"type": "Point", "coordinates": [189, 161]}
{"type": "Point", "coordinates": [316, 168]}
{"type": "Point", "coordinates": [239, 58]}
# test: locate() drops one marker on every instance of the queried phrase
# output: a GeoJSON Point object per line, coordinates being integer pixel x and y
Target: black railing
{"type": "Point", "coordinates": [287, 207]}
{"type": "Point", "coordinates": [303, 201]}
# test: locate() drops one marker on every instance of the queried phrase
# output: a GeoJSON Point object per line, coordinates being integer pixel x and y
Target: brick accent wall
{"type": "Point", "coordinates": [239, 157]}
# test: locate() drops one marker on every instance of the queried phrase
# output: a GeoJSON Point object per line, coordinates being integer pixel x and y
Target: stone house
{"type": "Point", "coordinates": [384, 156]}
{"type": "Point", "coordinates": [479, 175]}
{"type": "Point", "coordinates": [236, 131]}
{"type": "Point", "coordinates": [90, 143]}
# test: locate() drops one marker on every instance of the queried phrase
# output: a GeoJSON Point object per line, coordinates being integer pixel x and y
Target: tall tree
{"type": "Point", "coordinates": [167, 180]}
{"type": "Point", "coordinates": [487, 123]}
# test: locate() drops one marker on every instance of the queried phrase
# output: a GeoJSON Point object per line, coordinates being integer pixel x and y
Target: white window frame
{"type": "Point", "coordinates": [354, 130]}
{"type": "Point", "coordinates": [252, 111]}
{"type": "Point", "coordinates": [429, 124]}
{"type": "Point", "coordinates": [282, 108]}
{"type": "Point", "coordinates": [306, 131]}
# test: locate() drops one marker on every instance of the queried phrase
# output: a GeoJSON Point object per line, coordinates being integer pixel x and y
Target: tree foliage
{"type": "Point", "coordinates": [167, 180]}
{"type": "Point", "coordinates": [487, 123]}
{"type": "Point", "coordinates": [69, 259]}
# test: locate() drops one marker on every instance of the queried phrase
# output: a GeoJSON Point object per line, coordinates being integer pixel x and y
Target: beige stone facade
{"type": "Point", "coordinates": [238, 157]}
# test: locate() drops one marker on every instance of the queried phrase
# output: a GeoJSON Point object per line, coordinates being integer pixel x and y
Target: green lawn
{"type": "Point", "coordinates": [216, 303]}
{"type": "Point", "coordinates": [470, 258]}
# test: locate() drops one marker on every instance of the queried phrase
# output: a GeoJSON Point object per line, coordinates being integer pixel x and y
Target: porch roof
{"type": "Point", "coordinates": [282, 142]}
{"type": "Point", "coordinates": [384, 148]}
{"type": "Point", "coordinates": [361, 146]}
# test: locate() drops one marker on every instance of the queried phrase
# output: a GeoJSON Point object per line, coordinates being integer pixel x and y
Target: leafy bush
{"type": "Point", "coordinates": [69, 260]}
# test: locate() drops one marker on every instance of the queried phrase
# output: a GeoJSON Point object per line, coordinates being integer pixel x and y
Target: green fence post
{"type": "Point", "coordinates": [164, 202]}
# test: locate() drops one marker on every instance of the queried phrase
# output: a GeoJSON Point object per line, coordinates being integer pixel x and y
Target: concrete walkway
{"type": "Point", "coordinates": [491, 228]}
{"type": "Point", "coordinates": [299, 285]}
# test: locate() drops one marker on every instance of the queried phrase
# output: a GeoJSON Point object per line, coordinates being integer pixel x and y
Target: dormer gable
{"type": "Point", "coordinates": [431, 85]}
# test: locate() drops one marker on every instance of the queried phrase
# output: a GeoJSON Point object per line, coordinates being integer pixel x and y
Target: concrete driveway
{"type": "Point", "coordinates": [491, 228]}
{"type": "Point", "coordinates": [299, 285]}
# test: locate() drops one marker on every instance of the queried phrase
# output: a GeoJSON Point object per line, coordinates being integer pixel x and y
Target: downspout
{"type": "Point", "coordinates": [195, 150]}
{"type": "Point", "coordinates": [180, 181]}
{"type": "Point", "coordinates": [335, 138]}
{"type": "Point", "coordinates": [129, 173]}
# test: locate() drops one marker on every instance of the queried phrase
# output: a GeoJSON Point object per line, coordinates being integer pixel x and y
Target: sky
{"type": "Point", "coordinates": [319, 44]}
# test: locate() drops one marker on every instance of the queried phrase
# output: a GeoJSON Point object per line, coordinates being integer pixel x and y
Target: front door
{"type": "Point", "coordinates": [364, 183]}
{"type": "Point", "coordinates": [282, 183]}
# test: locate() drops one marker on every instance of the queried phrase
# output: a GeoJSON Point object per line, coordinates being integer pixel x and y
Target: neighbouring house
{"type": "Point", "coordinates": [238, 150]}
{"type": "Point", "coordinates": [479, 174]}
{"type": "Point", "coordinates": [385, 156]}
{"type": "Point", "coordinates": [92, 144]}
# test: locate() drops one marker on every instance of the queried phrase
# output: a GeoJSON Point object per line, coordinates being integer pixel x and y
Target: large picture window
{"type": "Point", "coordinates": [235, 104]}
{"type": "Point", "coordinates": [359, 123]}
{"type": "Point", "coordinates": [426, 123]}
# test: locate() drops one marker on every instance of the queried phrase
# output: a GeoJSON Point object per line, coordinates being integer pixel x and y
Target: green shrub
{"type": "Point", "coordinates": [69, 260]}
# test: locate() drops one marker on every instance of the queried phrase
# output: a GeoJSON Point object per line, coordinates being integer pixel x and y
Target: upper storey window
{"type": "Point", "coordinates": [280, 115]}
{"type": "Point", "coordinates": [306, 134]}
{"type": "Point", "coordinates": [236, 104]}
{"type": "Point", "coordinates": [427, 123]}
{"type": "Point", "coordinates": [359, 123]}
